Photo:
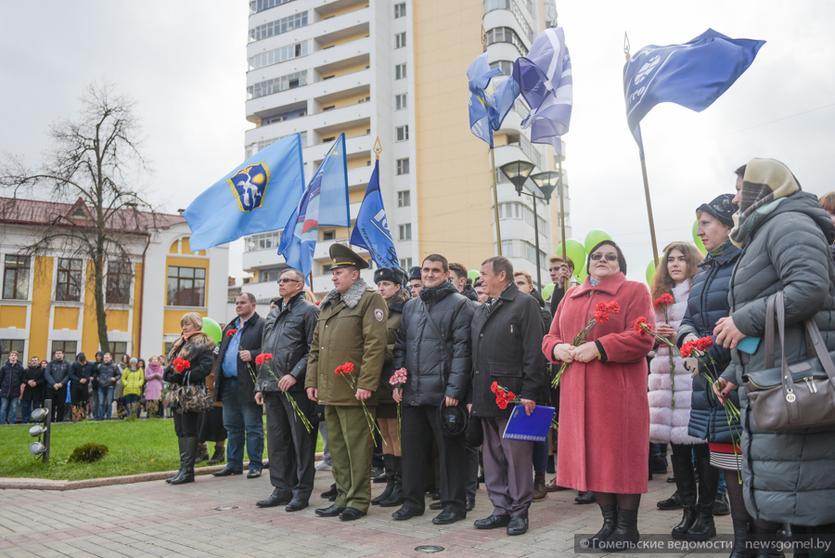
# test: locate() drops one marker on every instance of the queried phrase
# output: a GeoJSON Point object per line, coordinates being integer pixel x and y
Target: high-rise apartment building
{"type": "Point", "coordinates": [396, 70]}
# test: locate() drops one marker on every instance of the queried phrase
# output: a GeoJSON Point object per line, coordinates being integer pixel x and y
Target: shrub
{"type": "Point", "coordinates": [88, 453]}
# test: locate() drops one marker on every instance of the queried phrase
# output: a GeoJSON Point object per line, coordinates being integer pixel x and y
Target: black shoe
{"type": "Point", "coordinates": [406, 512]}
{"type": "Point", "coordinates": [625, 535]}
{"type": "Point", "coordinates": [277, 498]}
{"type": "Point", "coordinates": [202, 453]}
{"type": "Point", "coordinates": [687, 520]}
{"type": "Point", "coordinates": [331, 511]}
{"type": "Point", "coordinates": [720, 506]}
{"type": "Point", "coordinates": [385, 493]}
{"type": "Point", "coordinates": [330, 493]}
{"type": "Point", "coordinates": [671, 480]}
{"type": "Point", "coordinates": [517, 526]}
{"type": "Point", "coordinates": [218, 457]}
{"type": "Point", "coordinates": [585, 498]}
{"type": "Point", "coordinates": [253, 473]}
{"type": "Point", "coordinates": [378, 473]}
{"type": "Point", "coordinates": [492, 522]}
{"type": "Point", "coordinates": [395, 497]}
{"type": "Point", "coordinates": [672, 503]}
{"type": "Point", "coordinates": [703, 528]}
{"type": "Point", "coordinates": [350, 514]}
{"type": "Point", "coordinates": [183, 477]}
{"type": "Point", "coordinates": [188, 453]}
{"type": "Point", "coordinates": [228, 471]}
{"type": "Point", "coordinates": [448, 516]}
{"type": "Point", "coordinates": [296, 504]}
{"type": "Point", "coordinates": [610, 519]}
{"type": "Point", "coordinates": [436, 505]}
{"type": "Point", "coordinates": [470, 502]}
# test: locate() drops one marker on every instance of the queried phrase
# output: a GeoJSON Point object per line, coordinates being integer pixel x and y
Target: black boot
{"type": "Point", "coordinates": [395, 497]}
{"type": "Point", "coordinates": [686, 490]}
{"type": "Point", "coordinates": [187, 459]}
{"type": "Point", "coordinates": [610, 518]}
{"type": "Point", "coordinates": [202, 452]}
{"type": "Point", "coordinates": [181, 471]}
{"type": "Point", "coordinates": [387, 459]}
{"type": "Point", "coordinates": [703, 528]}
{"type": "Point", "coordinates": [219, 455]}
{"type": "Point", "coordinates": [740, 537]}
{"type": "Point", "coordinates": [671, 503]}
{"type": "Point", "coordinates": [625, 535]}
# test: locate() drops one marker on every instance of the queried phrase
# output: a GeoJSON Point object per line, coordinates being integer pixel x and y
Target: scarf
{"type": "Point", "coordinates": [765, 184]}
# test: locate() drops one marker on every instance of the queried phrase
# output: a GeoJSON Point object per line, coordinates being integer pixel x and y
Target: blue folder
{"type": "Point", "coordinates": [533, 428]}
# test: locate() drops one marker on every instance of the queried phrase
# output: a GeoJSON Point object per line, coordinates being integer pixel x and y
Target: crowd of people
{"type": "Point", "coordinates": [407, 372]}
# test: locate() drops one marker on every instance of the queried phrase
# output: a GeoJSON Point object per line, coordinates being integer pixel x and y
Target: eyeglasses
{"type": "Point", "coordinates": [288, 280]}
{"type": "Point", "coordinates": [609, 257]}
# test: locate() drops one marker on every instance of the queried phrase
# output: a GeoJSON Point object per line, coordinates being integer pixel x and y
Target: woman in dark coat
{"type": "Point", "coordinates": [195, 347]}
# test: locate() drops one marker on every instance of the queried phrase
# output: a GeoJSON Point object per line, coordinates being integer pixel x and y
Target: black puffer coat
{"type": "Point", "coordinates": [437, 359]}
{"type": "Point", "coordinates": [706, 303]}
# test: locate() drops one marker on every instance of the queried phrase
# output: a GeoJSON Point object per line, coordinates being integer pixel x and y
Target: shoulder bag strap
{"type": "Point", "coordinates": [821, 350]}
{"type": "Point", "coordinates": [435, 327]}
{"type": "Point", "coordinates": [788, 382]}
{"type": "Point", "coordinates": [769, 332]}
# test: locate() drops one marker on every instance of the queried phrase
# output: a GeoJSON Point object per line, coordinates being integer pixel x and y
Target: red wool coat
{"type": "Point", "coordinates": [603, 441]}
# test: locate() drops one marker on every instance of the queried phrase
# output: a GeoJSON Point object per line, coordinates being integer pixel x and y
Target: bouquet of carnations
{"type": "Point", "coordinates": [180, 365]}
{"type": "Point", "coordinates": [663, 303]}
{"type": "Point", "coordinates": [504, 396]}
{"type": "Point", "coordinates": [396, 381]}
{"type": "Point", "coordinates": [601, 315]}
{"type": "Point", "coordinates": [346, 371]}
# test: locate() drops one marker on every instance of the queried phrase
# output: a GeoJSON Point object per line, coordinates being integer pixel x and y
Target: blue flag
{"type": "Point", "coordinates": [692, 75]}
{"type": "Point", "coordinates": [257, 196]}
{"type": "Point", "coordinates": [371, 231]}
{"type": "Point", "coordinates": [488, 109]}
{"type": "Point", "coordinates": [324, 202]}
{"type": "Point", "coordinates": [544, 77]}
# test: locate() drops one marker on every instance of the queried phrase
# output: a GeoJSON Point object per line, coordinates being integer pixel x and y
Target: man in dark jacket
{"type": "Point", "coordinates": [11, 376]}
{"type": "Point", "coordinates": [506, 338]}
{"type": "Point", "coordinates": [108, 375]}
{"type": "Point", "coordinates": [240, 345]}
{"type": "Point", "coordinates": [57, 375]}
{"type": "Point", "coordinates": [461, 281]}
{"type": "Point", "coordinates": [433, 345]}
{"type": "Point", "coordinates": [288, 332]}
{"type": "Point", "coordinates": [33, 388]}
{"type": "Point", "coordinates": [560, 271]}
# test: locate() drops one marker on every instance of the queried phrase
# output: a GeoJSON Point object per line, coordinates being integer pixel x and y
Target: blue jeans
{"type": "Point", "coordinates": [105, 403]}
{"type": "Point", "coordinates": [27, 405]}
{"type": "Point", "coordinates": [242, 416]}
{"type": "Point", "coordinates": [8, 410]}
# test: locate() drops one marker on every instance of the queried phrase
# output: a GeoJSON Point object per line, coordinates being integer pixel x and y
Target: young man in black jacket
{"type": "Point", "coordinates": [57, 376]}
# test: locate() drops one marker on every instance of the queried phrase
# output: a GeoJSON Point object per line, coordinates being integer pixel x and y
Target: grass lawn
{"type": "Point", "coordinates": [136, 446]}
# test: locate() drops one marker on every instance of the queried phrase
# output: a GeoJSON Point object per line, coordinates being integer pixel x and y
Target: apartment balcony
{"type": "Point", "coordinates": [354, 146]}
{"type": "Point", "coordinates": [265, 105]}
{"type": "Point", "coordinates": [325, 8]}
{"type": "Point", "coordinates": [324, 58]}
{"type": "Point", "coordinates": [331, 118]}
{"type": "Point", "coordinates": [258, 259]}
{"type": "Point", "coordinates": [324, 30]}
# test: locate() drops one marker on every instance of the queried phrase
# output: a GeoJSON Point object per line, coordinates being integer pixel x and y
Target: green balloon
{"type": "Point", "coordinates": [576, 252]}
{"type": "Point", "coordinates": [547, 291]}
{"type": "Point", "coordinates": [650, 272]}
{"type": "Point", "coordinates": [595, 237]}
{"type": "Point", "coordinates": [473, 275]}
{"type": "Point", "coordinates": [698, 241]}
{"type": "Point", "coordinates": [581, 274]}
{"type": "Point", "coordinates": [212, 329]}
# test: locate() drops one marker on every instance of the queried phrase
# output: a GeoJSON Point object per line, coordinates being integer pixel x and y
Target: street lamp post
{"type": "Point", "coordinates": [518, 173]}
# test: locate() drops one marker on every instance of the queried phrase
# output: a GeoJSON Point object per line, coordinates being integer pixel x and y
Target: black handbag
{"type": "Point", "coordinates": [791, 396]}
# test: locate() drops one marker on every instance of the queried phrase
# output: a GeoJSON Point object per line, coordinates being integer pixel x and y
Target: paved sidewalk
{"type": "Point", "coordinates": [218, 517]}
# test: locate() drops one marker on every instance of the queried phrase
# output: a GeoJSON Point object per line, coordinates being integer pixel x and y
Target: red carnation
{"type": "Point", "coordinates": [262, 358]}
{"type": "Point", "coordinates": [231, 332]}
{"type": "Point", "coordinates": [501, 403]}
{"type": "Point", "coordinates": [494, 387]}
{"type": "Point", "coordinates": [344, 369]}
{"type": "Point", "coordinates": [510, 395]}
{"type": "Point", "coordinates": [603, 310]}
{"type": "Point", "coordinates": [665, 299]}
{"type": "Point", "coordinates": [703, 343]}
{"type": "Point", "coordinates": [687, 349]}
{"type": "Point", "coordinates": [640, 325]}
{"type": "Point", "coordinates": [180, 365]}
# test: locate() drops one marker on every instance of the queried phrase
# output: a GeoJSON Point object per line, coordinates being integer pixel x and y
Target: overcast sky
{"type": "Point", "coordinates": [184, 63]}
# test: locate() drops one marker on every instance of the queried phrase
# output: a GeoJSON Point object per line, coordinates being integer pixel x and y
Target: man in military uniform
{"type": "Point", "coordinates": [351, 329]}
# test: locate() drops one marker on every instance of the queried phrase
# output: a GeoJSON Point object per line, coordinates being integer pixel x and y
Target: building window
{"type": "Point", "coordinates": [186, 286]}
{"type": "Point", "coordinates": [400, 101]}
{"type": "Point", "coordinates": [401, 133]}
{"type": "Point", "coordinates": [405, 263]}
{"type": "Point", "coordinates": [403, 166]}
{"type": "Point", "coordinates": [16, 277]}
{"type": "Point", "coordinates": [404, 198]}
{"type": "Point", "coordinates": [119, 276]}
{"type": "Point", "coordinates": [400, 10]}
{"type": "Point", "coordinates": [400, 40]}
{"type": "Point", "coordinates": [328, 235]}
{"type": "Point", "coordinates": [118, 349]}
{"type": "Point", "coordinates": [262, 241]}
{"type": "Point", "coordinates": [277, 85]}
{"type": "Point", "coordinates": [9, 345]}
{"type": "Point", "coordinates": [256, 6]}
{"type": "Point", "coordinates": [404, 232]}
{"type": "Point", "coordinates": [506, 66]}
{"type": "Point", "coordinates": [278, 55]}
{"type": "Point", "coordinates": [269, 275]}
{"type": "Point", "coordinates": [68, 282]}
{"type": "Point", "coordinates": [278, 27]}
{"type": "Point", "coordinates": [284, 116]}
{"type": "Point", "coordinates": [67, 347]}
{"type": "Point", "coordinates": [400, 71]}
{"type": "Point", "coordinates": [505, 35]}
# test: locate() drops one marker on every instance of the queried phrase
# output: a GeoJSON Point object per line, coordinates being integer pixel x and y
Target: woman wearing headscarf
{"type": "Point", "coordinates": [785, 237]}
{"type": "Point", "coordinates": [670, 383]}
{"type": "Point", "coordinates": [195, 347]}
{"type": "Point", "coordinates": [153, 386]}
{"type": "Point", "coordinates": [604, 414]}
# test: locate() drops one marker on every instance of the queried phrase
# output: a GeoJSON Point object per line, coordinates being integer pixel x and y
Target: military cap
{"type": "Point", "coordinates": [414, 273]}
{"type": "Point", "coordinates": [393, 274]}
{"type": "Point", "coordinates": [342, 256]}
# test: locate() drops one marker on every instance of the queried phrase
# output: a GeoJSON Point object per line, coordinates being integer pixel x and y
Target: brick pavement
{"type": "Point", "coordinates": [218, 517]}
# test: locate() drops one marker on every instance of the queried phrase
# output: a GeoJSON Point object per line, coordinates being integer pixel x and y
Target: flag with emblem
{"type": "Point", "coordinates": [324, 202]}
{"type": "Point", "coordinates": [256, 196]}
{"type": "Point", "coordinates": [371, 231]}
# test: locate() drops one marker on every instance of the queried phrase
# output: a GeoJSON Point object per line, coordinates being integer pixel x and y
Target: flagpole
{"type": "Point", "coordinates": [562, 220]}
{"type": "Point", "coordinates": [647, 196]}
{"type": "Point", "coordinates": [496, 201]}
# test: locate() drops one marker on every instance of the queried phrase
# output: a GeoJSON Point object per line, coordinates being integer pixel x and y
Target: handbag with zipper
{"type": "Point", "coordinates": [794, 396]}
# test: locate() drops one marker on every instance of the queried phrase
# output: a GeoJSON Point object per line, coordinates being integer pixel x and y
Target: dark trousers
{"type": "Point", "coordinates": [684, 458]}
{"type": "Point", "coordinates": [59, 402]}
{"type": "Point", "coordinates": [508, 470]}
{"type": "Point", "coordinates": [187, 425]}
{"type": "Point", "coordinates": [473, 459]}
{"type": "Point", "coordinates": [420, 426]}
{"type": "Point", "coordinates": [289, 447]}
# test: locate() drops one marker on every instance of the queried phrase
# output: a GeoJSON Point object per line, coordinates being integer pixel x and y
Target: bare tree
{"type": "Point", "coordinates": [90, 165]}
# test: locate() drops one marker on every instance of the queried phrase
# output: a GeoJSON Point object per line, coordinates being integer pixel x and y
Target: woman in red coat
{"type": "Point", "coordinates": [604, 413]}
